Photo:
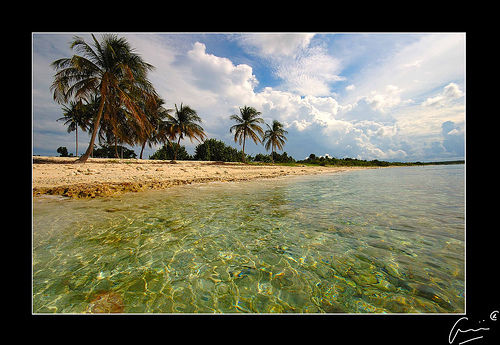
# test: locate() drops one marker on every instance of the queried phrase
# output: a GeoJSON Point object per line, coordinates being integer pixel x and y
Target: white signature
{"type": "Point", "coordinates": [455, 330]}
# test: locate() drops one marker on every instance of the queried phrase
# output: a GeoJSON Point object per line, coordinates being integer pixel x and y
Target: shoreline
{"type": "Point", "coordinates": [100, 177]}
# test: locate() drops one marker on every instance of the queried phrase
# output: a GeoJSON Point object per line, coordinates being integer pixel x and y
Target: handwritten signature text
{"type": "Point", "coordinates": [455, 330]}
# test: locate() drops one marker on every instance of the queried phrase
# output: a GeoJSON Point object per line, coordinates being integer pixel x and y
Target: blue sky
{"type": "Point", "coordinates": [386, 96]}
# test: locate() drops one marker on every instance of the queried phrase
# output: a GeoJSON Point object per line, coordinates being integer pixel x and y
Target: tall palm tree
{"type": "Point", "coordinates": [76, 115]}
{"type": "Point", "coordinates": [247, 125]}
{"type": "Point", "coordinates": [184, 123]}
{"type": "Point", "coordinates": [110, 69]}
{"type": "Point", "coordinates": [274, 137]}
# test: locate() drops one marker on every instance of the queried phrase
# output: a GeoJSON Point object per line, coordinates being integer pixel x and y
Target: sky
{"type": "Point", "coordinates": [386, 96]}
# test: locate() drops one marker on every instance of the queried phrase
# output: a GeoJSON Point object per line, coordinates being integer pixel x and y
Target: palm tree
{"type": "Point", "coordinates": [109, 69]}
{"type": "Point", "coordinates": [160, 132]}
{"type": "Point", "coordinates": [247, 125]}
{"type": "Point", "coordinates": [274, 137]}
{"type": "Point", "coordinates": [184, 123]}
{"type": "Point", "coordinates": [76, 115]}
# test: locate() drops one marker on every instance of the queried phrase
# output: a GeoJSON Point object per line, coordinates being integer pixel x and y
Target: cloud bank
{"type": "Point", "coordinates": [408, 106]}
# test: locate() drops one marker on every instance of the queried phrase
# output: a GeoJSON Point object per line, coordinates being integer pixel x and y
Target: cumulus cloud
{"type": "Point", "coordinates": [293, 110]}
{"type": "Point", "coordinates": [389, 98]}
{"type": "Point", "coordinates": [218, 74]}
{"type": "Point", "coordinates": [357, 140]}
{"type": "Point", "coordinates": [314, 125]}
{"type": "Point", "coordinates": [438, 100]}
{"type": "Point", "coordinates": [216, 88]}
{"type": "Point", "coordinates": [374, 140]}
{"type": "Point", "coordinates": [449, 145]}
{"type": "Point", "coordinates": [453, 138]}
{"type": "Point", "coordinates": [450, 93]}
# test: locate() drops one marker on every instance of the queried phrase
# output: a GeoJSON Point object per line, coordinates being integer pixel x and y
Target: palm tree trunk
{"type": "Point", "coordinates": [243, 151]}
{"type": "Point", "coordinates": [142, 149]}
{"type": "Point", "coordinates": [87, 153]}
{"type": "Point", "coordinates": [116, 149]}
{"type": "Point", "coordinates": [177, 148]}
{"type": "Point", "coordinates": [76, 152]}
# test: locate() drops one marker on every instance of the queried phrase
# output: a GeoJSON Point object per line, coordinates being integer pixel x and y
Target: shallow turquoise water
{"type": "Point", "coordinates": [371, 241]}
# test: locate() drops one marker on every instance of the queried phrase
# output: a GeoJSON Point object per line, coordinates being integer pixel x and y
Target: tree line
{"type": "Point", "coordinates": [326, 160]}
{"type": "Point", "coordinates": [105, 90]}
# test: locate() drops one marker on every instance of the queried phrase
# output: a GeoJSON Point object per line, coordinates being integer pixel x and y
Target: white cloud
{"type": "Point", "coordinates": [276, 44]}
{"type": "Point", "coordinates": [350, 87]}
{"type": "Point", "coordinates": [433, 101]}
{"type": "Point", "coordinates": [450, 93]}
{"type": "Point", "coordinates": [416, 64]}
{"type": "Point", "coordinates": [304, 69]}
{"type": "Point", "coordinates": [310, 73]}
{"type": "Point", "coordinates": [431, 60]}
{"type": "Point", "coordinates": [301, 125]}
{"type": "Point", "coordinates": [219, 75]}
{"type": "Point", "coordinates": [388, 98]}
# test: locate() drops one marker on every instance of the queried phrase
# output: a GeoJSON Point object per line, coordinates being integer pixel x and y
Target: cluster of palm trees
{"type": "Point", "coordinates": [106, 91]}
{"type": "Point", "coordinates": [247, 125]}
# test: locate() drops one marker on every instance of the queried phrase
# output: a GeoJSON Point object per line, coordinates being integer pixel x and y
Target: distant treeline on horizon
{"type": "Point", "coordinates": [313, 159]}
{"type": "Point", "coordinates": [216, 150]}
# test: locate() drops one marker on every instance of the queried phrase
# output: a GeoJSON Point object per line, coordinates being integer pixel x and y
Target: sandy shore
{"type": "Point", "coordinates": [105, 176]}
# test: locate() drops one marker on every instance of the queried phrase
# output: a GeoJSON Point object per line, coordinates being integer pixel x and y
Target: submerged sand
{"type": "Point", "coordinates": [106, 176]}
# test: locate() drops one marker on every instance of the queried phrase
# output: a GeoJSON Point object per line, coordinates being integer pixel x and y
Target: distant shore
{"type": "Point", "coordinates": [109, 176]}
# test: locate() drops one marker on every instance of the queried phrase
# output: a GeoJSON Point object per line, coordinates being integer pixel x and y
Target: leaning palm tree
{"type": "Point", "coordinates": [274, 137]}
{"type": "Point", "coordinates": [76, 115]}
{"type": "Point", "coordinates": [184, 123]}
{"type": "Point", "coordinates": [110, 69]}
{"type": "Point", "coordinates": [247, 125]}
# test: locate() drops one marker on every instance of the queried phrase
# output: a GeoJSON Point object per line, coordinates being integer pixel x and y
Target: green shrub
{"type": "Point", "coordinates": [216, 150]}
{"type": "Point", "coordinates": [166, 152]}
{"type": "Point", "coordinates": [108, 151]}
{"type": "Point", "coordinates": [63, 151]}
{"type": "Point", "coordinates": [259, 157]}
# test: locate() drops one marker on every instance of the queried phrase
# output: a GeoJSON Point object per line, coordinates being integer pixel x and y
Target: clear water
{"type": "Point", "coordinates": [371, 241]}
